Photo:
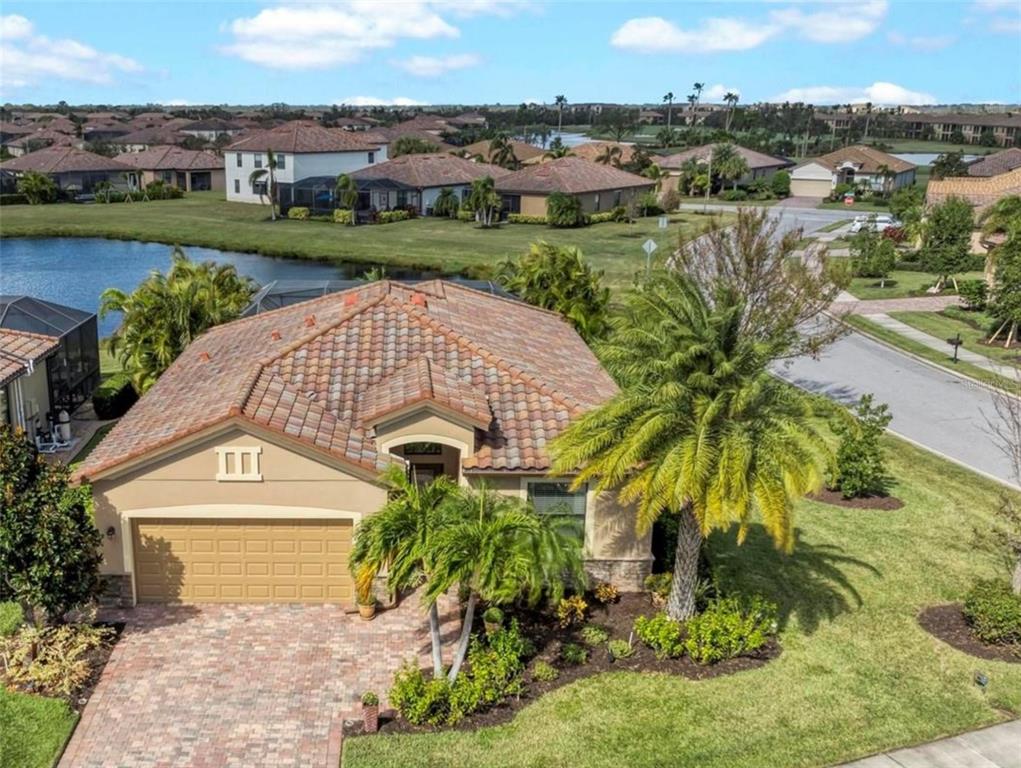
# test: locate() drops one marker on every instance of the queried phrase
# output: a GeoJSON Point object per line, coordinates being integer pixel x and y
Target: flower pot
{"type": "Point", "coordinates": [370, 717]}
{"type": "Point", "coordinates": [367, 612]}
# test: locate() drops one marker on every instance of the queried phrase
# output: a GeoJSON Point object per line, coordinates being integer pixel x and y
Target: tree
{"type": "Point", "coordinates": [1002, 219]}
{"type": "Point", "coordinates": [689, 173]}
{"type": "Point", "coordinates": [563, 210]}
{"type": "Point", "coordinates": [37, 188]}
{"type": "Point", "coordinates": [1005, 296]}
{"type": "Point", "coordinates": [949, 164]}
{"type": "Point", "coordinates": [557, 277]}
{"type": "Point", "coordinates": [668, 99]}
{"type": "Point", "coordinates": [446, 203]}
{"type": "Point", "coordinates": [412, 145]}
{"type": "Point", "coordinates": [49, 545]}
{"type": "Point", "coordinates": [654, 173]}
{"type": "Point", "coordinates": [166, 312]}
{"type": "Point", "coordinates": [697, 88]}
{"type": "Point", "coordinates": [501, 153]}
{"type": "Point", "coordinates": [873, 255]}
{"type": "Point", "coordinates": [557, 149]}
{"type": "Point", "coordinates": [346, 192]}
{"type": "Point", "coordinates": [780, 183]}
{"type": "Point", "coordinates": [733, 167]}
{"type": "Point", "coordinates": [667, 137]}
{"type": "Point", "coordinates": [859, 467]}
{"type": "Point", "coordinates": [484, 200]}
{"type": "Point", "coordinates": [561, 102]}
{"type": "Point", "coordinates": [905, 199]}
{"type": "Point", "coordinates": [267, 188]}
{"type": "Point", "coordinates": [887, 175]}
{"type": "Point", "coordinates": [730, 99]}
{"type": "Point", "coordinates": [699, 429]}
{"type": "Point", "coordinates": [610, 154]}
{"type": "Point", "coordinates": [946, 241]}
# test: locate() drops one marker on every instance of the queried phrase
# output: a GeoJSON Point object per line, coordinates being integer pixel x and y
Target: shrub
{"type": "Point", "coordinates": [620, 649]}
{"type": "Point", "coordinates": [728, 628]}
{"type": "Point", "coordinates": [370, 699]}
{"type": "Point", "coordinates": [594, 635]}
{"type": "Point", "coordinates": [564, 210]}
{"type": "Point", "coordinates": [573, 653]}
{"type": "Point", "coordinates": [658, 584]}
{"type": "Point", "coordinates": [896, 234]}
{"type": "Point", "coordinates": [872, 255]}
{"type": "Point", "coordinates": [648, 204]}
{"type": "Point", "coordinates": [54, 661]}
{"type": "Point", "coordinates": [840, 191]}
{"type": "Point", "coordinates": [389, 217]}
{"type": "Point", "coordinates": [669, 200]}
{"type": "Point", "coordinates": [493, 615]}
{"type": "Point", "coordinates": [299, 212]}
{"type": "Point", "coordinates": [571, 611]}
{"type": "Point", "coordinates": [605, 593]}
{"type": "Point", "coordinates": [11, 617]}
{"type": "Point", "coordinates": [419, 700]}
{"type": "Point", "coordinates": [601, 218]}
{"type": "Point", "coordinates": [114, 397]}
{"type": "Point", "coordinates": [13, 199]}
{"type": "Point", "coordinates": [734, 195]}
{"type": "Point", "coordinates": [343, 216]}
{"type": "Point", "coordinates": [524, 218]}
{"type": "Point", "coordinates": [661, 633]}
{"type": "Point", "coordinates": [544, 672]}
{"type": "Point", "coordinates": [974, 293]}
{"type": "Point", "coordinates": [780, 184]}
{"type": "Point", "coordinates": [465, 214]}
{"type": "Point", "coordinates": [994, 612]}
{"type": "Point", "coordinates": [860, 465]}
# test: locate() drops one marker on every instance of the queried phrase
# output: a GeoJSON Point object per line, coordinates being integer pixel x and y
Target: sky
{"type": "Point", "coordinates": [508, 51]}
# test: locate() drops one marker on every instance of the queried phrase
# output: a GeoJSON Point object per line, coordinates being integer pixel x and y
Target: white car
{"type": "Point", "coordinates": [875, 223]}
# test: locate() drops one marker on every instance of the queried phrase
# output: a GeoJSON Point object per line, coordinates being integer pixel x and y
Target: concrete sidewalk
{"type": "Point", "coordinates": [995, 747]}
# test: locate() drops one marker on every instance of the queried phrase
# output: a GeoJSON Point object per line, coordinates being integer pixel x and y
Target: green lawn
{"type": "Point", "coordinates": [972, 327]}
{"type": "Point", "coordinates": [900, 284]}
{"type": "Point", "coordinates": [205, 219]}
{"type": "Point", "coordinates": [700, 199]}
{"type": "Point", "coordinates": [916, 145]}
{"type": "Point", "coordinates": [857, 207]}
{"type": "Point", "coordinates": [34, 730]}
{"type": "Point", "coordinates": [857, 674]}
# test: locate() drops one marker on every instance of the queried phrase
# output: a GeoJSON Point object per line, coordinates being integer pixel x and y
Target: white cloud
{"type": "Point", "coordinates": [176, 103]}
{"type": "Point", "coordinates": [434, 66]}
{"type": "Point", "coordinates": [1005, 25]}
{"type": "Point", "coordinates": [878, 93]}
{"type": "Point", "coordinates": [375, 101]}
{"type": "Point", "coordinates": [833, 22]}
{"type": "Point", "coordinates": [991, 6]}
{"type": "Point", "coordinates": [28, 58]}
{"type": "Point", "coordinates": [718, 91]}
{"type": "Point", "coordinates": [1006, 15]}
{"type": "Point", "coordinates": [920, 42]}
{"type": "Point", "coordinates": [481, 7]}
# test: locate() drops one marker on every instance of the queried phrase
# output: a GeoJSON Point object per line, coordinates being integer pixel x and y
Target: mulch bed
{"type": "Point", "coordinates": [618, 619]}
{"type": "Point", "coordinates": [829, 496]}
{"type": "Point", "coordinates": [947, 623]}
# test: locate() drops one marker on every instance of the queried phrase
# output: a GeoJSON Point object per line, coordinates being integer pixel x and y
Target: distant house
{"type": "Point", "coordinates": [11, 131]}
{"type": "Point", "coordinates": [302, 150]}
{"type": "Point", "coordinates": [104, 130]}
{"type": "Point", "coordinates": [72, 169]}
{"type": "Point", "coordinates": [854, 165]}
{"type": "Point", "coordinates": [593, 150]}
{"type": "Point", "coordinates": [997, 163]}
{"type": "Point", "coordinates": [49, 360]}
{"type": "Point", "coordinates": [146, 138]}
{"type": "Point", "coordinates": [211, 129]}
{"type": "Point", "coordinates": [416, 180]}
{"type": "Point", "coordinates": [760, 166]}
{"type": "Point", "coordinates": [651, 117]}
{"type": "Point", "coordinates": [187, 169]}
{"type": "Point", "coordinates": [30, 142]}
{"type": "Point", "coordinates": [1002, 129]}
{"type": "Point", "coordinates": [600, 187]}
{"type": "Point", "coordinates": [981, 192]}
{"type": "Point", "coordinates": [524, 152]}
{"type": "Point", "coordinates": [388, 137]}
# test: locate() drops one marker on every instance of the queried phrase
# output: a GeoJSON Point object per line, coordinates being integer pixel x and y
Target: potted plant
{"type": "Point", "coordinates": [370, 712]}
{"type": "Point", "coordinates": [367, 605]}
{"type": "Point", "coordinates": [492, 619]}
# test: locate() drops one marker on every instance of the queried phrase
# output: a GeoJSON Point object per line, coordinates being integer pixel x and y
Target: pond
{"type": "Point", "coordinates": [75, 271]}
{"type": "Point", "coordinates": [927, 158]}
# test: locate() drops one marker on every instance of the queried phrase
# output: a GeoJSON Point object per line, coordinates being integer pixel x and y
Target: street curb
{"type": "Point", "coordinates": [952, 460]}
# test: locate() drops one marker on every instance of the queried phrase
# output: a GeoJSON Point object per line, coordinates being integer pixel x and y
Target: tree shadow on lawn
{"type": "Point", "coordinates": [812, 582]}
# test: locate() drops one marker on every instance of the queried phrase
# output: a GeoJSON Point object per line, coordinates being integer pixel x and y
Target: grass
{"type": "Point", "coordinates": [973, 330]}
{"type": "Point", "coordinates": [917, 145]}
{"type": "Point", "coordinates": [35, 729]}
{"type": "Point", "coordinates": [944, 359]}
{"type": "Point", "coordinates": [857, 674]}
{"type": "Point", "coordinates": [700, 199]}
{"type": "Point", "coordinates": [858, 206]}
{"type": "Point", "coordinates": [205, 219]}
{"type": "Point", "coordinates": [901, 284]}
{"type": "Point", "coordinates": [835, 225]}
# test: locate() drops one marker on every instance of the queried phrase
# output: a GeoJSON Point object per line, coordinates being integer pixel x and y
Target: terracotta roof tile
{"type": "Point", "coordinates": [866, 159]}
{"type": "Point", "coordinates": [301, 136]}
{"type": "Point", "coordinates": [755, 160]}
{"type": "Point", "coordinates": [18, 348]}
{"type": "Point", "coordinates": [997, 163]}
{"type": "Point", "coordinates": [421, 171]}
{"type": "Point", "coordinates": [981, 192]}
{"type": "Point", "coordinates": [161, 158]}
{"type": "Point", "coordinates": [572, 175]}
{"type": "Point", "coordinates": [63, 160]}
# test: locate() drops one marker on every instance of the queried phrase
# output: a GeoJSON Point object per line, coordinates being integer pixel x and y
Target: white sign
{"type": "Point", "coordinates": [649, 246]}
{"type": "Point", "coordinates": [663, 222]}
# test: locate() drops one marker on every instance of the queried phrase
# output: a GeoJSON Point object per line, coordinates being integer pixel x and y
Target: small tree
{"type": "Point", "coordinates": [412, 145]}
{"type": "Point", "coordinates": [265, 179]}
{"type": "Point", "coordinates": [946, 242]}
{"type": "Point", "coordinates": [446, 203]}
{"type": "Point", "coordinates": [906, 199]}
{"type": "Point", "coordinates": [484, 200]}
{"type": "Point", "coordinates": [49, 544]}
{"type": "Point", "coordinates": [859, 464]}
{"type": "Point", "coordinates": [873, 255]}
{"type": "Point", "coordinates": [949, 164]}
{"type": "Point", "coordinates": [346, 191]}
{"type": "Point", "coordinates": [37, 188]}
{"type": "Point", "coordinates": [780, 184]}
{"type": "Point", "coordinates": [1005, 298]}
{"type": "Point", "coordinates": [563, 210]}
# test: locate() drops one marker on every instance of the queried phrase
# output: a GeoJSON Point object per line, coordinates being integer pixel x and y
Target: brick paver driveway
{"type": "Point", "coordinates": [238, 685]}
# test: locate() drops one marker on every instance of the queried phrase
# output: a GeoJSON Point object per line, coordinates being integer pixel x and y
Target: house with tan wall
{"type": "Point", "coordinates": [242, 475]}
{"type": "Point", "coordinates": [190, 170]}
{"type": "Point", "coordinates": [980, 191]}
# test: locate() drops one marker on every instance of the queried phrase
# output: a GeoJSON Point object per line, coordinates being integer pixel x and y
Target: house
{"type": "Point", "coordinates": [191, 170]}
{"type": "Point", "coordinates": [30, 142]}
{"type": "Point", "coordinates": [49, 360]}
{"type": "Point", "coordinates": [981, 191]}
{"type": "Point", "coordinates": [146, 138]}
{"type": "Point", "coordinates": [593, 150]}
{"type": "Point", "coordinates": [416, 180]}
{"type": "Point", "coordinates": [302, 150]}
{"type": "Point", "coordinates": [997, 163]}
{"type": "Point", "coordinates": [11, 131]}
{"type": "Point", "coordinates": [760, 166]}
{"type": "Point", "coordinates": [211, 129]}
{"type": "Point", "coordinates": [72, 169]}
{"type": "Point", "coordinates": [1002, 129]}
{"type": "Point", "coordinates": [104, 130]}
{"type": "Point", "coordinates": [599, 187]}
{"type": "Point", "coordinates": [855, 165]}
{"type": "Point", "coordinates": [388, 137]}
{"type": "Point", "coordinates": [651, 117]}
{"type": "Point", "coordinates": [524, 152]}
{"type": "Point", "coordinates": [241, 475]}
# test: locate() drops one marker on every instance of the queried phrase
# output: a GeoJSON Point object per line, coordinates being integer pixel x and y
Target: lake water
{"type": "Point", "coordinates": [927, 158]}
{"type": "Point", "coordinates": [75, 271]}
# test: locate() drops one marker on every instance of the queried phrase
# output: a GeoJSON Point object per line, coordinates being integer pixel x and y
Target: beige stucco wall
{"type": "Point", "coordinates": [591, 202]}
{"type": "Point", "coordinates": [533, 205]}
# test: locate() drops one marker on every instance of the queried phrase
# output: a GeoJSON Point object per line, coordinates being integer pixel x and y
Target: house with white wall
{"type": "Point", "coordinates": [302, 150]}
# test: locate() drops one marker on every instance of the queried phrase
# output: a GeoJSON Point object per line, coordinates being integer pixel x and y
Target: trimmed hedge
{"type": "Point", "coordinates": [601, 218]}
{"type": "Point", "coordinates": [388, 217]}
{"type": "Point", "coordinates": [114, 397]}
{"type": "Point", "coordinates": [11, 617]}
{"type": "Point", "coordinates": [342, 216]}
{"type": "Point", "coordinates": [463, 214]}
{"type": "Point", "coordinates": [524, 218]}
{"type": "Point", "coordinates": [994, 612]}
{"type": "Point", "coordinates": [15, 198]}
{"type": "Point", "coordinates": [299, 212]}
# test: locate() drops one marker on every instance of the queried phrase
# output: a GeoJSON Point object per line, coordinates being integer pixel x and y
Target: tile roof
{"type": "Point", "coordinates": [755, 160]}
{"type": "Point", "coordinates": [302, 136]}
{"type": "Point", "coordinates": [63, 160]}
{"type": "Point", "coordinates": [522, 150]}
{"type": "Point", "coordinates": [591, 150]}
{"type": "Point", "coordinates": [866, 159]}
{"type": "Point", "coordinates": [168, 158]}
{"type": "Point", "coordinates": [981, 192]}
{"type": "Point", "coordinates": [390, 135]}
{"type": "Point", "coordinates": [153, 136]}
{"type": "Point", "coordinates": [318, 371]}
{"type": "Point", "coordinates": [47, 138]}
{"type": "Point", "coordinates": [996, 163]}
{"type": "Point", "coordinates": [211, 124]}
{"type": "Point", "coordinates": [17, 348]}
{"type": "Point", "coordinates": [432, 170]}
{"type": "Point", "coordinates": [572, 175]}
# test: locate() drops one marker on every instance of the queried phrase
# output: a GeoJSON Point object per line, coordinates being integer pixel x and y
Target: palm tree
{"type": "Point", "coordinates": [699, 429]}
{"type": "Point", "coordinates": [691, 169]}
{"type": "Point", "coordinates": [868, 119]}
{"type": "Point", "coordinates": [498, 549]}
{"type": "Point", "coordinates": [697, 88]}
{"type": "Point", "coordinates": [692, 101]}
{"type": "Point", "coordinates": [561, 102]}
{"type": "Point", "coordinates": [730, 99]}
{"type": "Point", "coordinates": [501, 152]}
{"type": "Point", "coordinates": [666, 137]}
{"type": "Point", "coordinates": [37, 187]}
{"type": "Point", "coordinates": [401, 538]}
{"type": "Point", "coordinates": [269, 188]}
{"type": "Point", "coordinates": [887, 175]}
{"type": "Point", "coordinates": [345, 191]}
{"type": "Point", "coordinates": [446, 203]}
{"type": "Point", "coordinates": [668, 99]}
{"type": "Point", "coordinates": [1001, 218]}
{"type": "Point", "coordinates": [656, 174]}
{"type": "Point", "coordinates": [484, 200]}
{"type": "Point", "coordinates": [730, 164]}
{"type": "Point", "coordinates": [609, 154]}
{"type": "Point", "coordinates": [557, 148]}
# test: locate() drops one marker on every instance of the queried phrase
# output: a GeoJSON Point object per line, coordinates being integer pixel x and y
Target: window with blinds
{"type": "Point", "coordinates": [556, 498]}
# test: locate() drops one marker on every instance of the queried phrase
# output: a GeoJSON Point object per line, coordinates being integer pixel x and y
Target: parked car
{"type": "Point", "coordinates": [874, 222]}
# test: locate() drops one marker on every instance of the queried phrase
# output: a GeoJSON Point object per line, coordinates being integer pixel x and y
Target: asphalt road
{"type": "Point", "coordinates": [943, 412]}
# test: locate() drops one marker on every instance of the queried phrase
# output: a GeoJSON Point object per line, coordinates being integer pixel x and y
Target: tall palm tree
{"type": "Point", "coordinates": [401, 538]}
{"type": "Point", "coordinates": [668, 99]}
{"type": "Point", "coordinates": [700, 429]}
{"type": "Point", "coordinates": [610, 154]}
{"type": "Point", "coordinates": [561, 102]}
{"type": "Point", "coordinates": [484, 200]}
{"type": "Point", "coordinates": [656, 174]}
{"type": "Point", "coordinates": [269, 174]}
{"type": "Point", "coordinates": [868, 119]}
{"type": "Point", "coordinates": [697, 88]}
{"type": "Point", "coordinates": [346, 191]}
{"type": "Point", "coordinates": [730, 99]}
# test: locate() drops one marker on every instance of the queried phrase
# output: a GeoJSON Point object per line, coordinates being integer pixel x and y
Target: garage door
{"type": "Point", "coordinates": [243, 561]}
{"type": "Point", "coordinates": [810, 187]}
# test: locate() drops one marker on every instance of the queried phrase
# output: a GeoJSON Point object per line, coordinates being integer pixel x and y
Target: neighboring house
{"type": "Point", "coordinates": [981, 192]}
{"type": "Point", "coordinates": [524, 152]}
{"type": "Point", "coordinates": [760, 166]}
{"type": "Point", "coordinates": [147, 138]}
{"type": "Point", "coordinates": [1003, 128]}
{"type": "Point", "coordinates": [854, 165]}
{"type": "Point", "coordinates": [651, 117]}
{"type": "Point", "coordinates": [997, 163]}
{"type": "Point", "coordinates": [592, 150]}
{"type": "Point", "coordinates": [11, 131]}
{"type": "Point", "coordinates": [191, 170]}
{"type": "Point", "coordinates": [303, 150]}
{"type": "Point", "coordinates": [72, 169]}
{"type": "Point", "coordinates": [49, 360]}
{"type": "Point", "coordinates": [416, 180]}
{"type": "Point", "coordinates": [600, 187]}
{"type": "Point", "coordinates": [104, 130]}
{"type": "Point", "coordinates": [242, 474]}
{"type": "Point", "coordinates": [31, 142]}
{"type": "Point", "coordinates": [387, 137]}
{"type": "Point", "coordinates": [211, 129]}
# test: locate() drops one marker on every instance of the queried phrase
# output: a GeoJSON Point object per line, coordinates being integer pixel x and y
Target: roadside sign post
{"type": "Point", "coordinates": [649, 246]}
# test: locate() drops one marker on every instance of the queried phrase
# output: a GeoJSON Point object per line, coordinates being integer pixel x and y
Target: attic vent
{"type": "Point", "coordinates": [276, 335]}
{"type": "Point", "coordinates": [418, 299]}
{"type": "Point", "coordinates": [310, 320]}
